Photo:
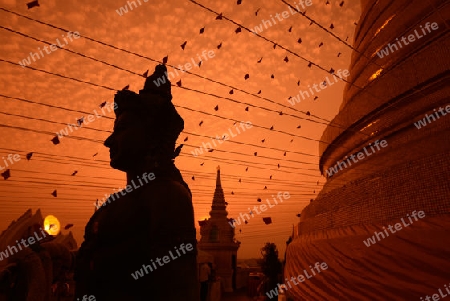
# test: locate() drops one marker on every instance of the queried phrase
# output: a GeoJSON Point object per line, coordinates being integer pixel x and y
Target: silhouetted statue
{"type": "Point", "coordinates": [158, 83]}
{"type": "Point", "coordinates": [149, 229]}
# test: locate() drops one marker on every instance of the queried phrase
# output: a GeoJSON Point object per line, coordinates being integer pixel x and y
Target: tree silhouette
{"type": "Point", "coordinates": [270, 264]}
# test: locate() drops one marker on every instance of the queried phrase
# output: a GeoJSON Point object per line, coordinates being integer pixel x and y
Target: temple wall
{"type": "Point", "coordinates": [408, 265]}
{"type": "Point", "coordinates": [405, 73]}
{"type": "Point", "coordinates": [410, 174]}
{"type": "Point", "coordinates": [413, 176]}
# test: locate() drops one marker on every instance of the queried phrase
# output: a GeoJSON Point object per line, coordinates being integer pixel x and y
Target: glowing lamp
{"type": "Point", "coordinates": [376, 74]}
{"type": "Point", "coordinates": [52, 225]}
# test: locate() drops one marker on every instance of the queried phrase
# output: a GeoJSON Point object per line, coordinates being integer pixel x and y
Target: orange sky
{"type": "Point", "coordinates": [33, 103]}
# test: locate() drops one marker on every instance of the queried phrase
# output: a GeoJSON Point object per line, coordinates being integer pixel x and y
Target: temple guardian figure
{"type": "Point", "coordinates": [139, 229]}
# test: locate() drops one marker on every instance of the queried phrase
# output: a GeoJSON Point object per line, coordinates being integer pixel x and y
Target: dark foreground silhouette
{"type": "Point", "coordinates": [141, 243]}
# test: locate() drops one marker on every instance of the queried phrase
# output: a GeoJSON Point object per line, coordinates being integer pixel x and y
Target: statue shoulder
{"type": "Point", "coordinates": [166, 189]}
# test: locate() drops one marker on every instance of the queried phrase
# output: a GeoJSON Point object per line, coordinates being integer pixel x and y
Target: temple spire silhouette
{"type": "Point", "coordinates": [218, 238]}
{"type": "Point", "coordinates": [218, 207]}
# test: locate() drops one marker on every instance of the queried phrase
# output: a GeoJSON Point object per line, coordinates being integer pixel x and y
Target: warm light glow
{"type": "Point", "coordinates": [369, 125]}
{"type": "Point", "coordinates": [378, 31]}
{"type": "Point", "coordinates": [376, 74]}
{"type": "Point", "coordinates": [51, 225]}
{"type": "Point", "coordinates": [384, 25]}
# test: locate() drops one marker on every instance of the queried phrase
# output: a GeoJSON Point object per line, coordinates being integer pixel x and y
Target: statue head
{"type": "Point", "coordinates": [158, 83]}
{"type": "Point", "coordinates": [146, 128]}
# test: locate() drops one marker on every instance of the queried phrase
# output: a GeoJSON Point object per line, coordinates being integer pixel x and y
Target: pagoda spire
{"type": "Point", "coordinates": [218, 207]}
{"type": "Point", "coordinates": [218, 238]}
{"type": "Point", "coordinates": [218, 184]}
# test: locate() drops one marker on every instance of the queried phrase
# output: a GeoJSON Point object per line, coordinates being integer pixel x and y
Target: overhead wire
{"type": "Point", "coordinates": [185, 132]}
{"type": "Point", "coordinates": [160, 62]}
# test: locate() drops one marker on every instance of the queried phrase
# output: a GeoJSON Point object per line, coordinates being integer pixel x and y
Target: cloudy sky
{"type": "Point", "coordinates": [63, 85]}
